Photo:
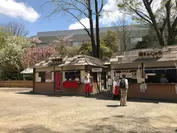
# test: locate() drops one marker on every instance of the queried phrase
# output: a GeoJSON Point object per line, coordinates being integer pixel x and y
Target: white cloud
{"type": "Point", "coordinates": [18, 9]}
{"type": "Point", "coordinates": [110, 15]}
{"type": "Point", "coordinates": [77, 25]}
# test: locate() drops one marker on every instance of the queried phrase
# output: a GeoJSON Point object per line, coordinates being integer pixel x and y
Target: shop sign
{"type": "Point", "coordinates": [97, 69]}
{"type": "Point", "coordinates": [57, 61]}
{"type": "Point", "coordinates": [150, 54]}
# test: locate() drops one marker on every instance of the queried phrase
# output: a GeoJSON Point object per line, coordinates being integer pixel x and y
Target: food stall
{"type": "Point", "coordinates": [65, 75]}
{"type": "Point", "coordinates": [145, 67]}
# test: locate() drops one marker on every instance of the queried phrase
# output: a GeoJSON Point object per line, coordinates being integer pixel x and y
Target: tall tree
{"type": "Point", "coordinates": [10, 56]}
{"type": "Point", "coordinates": [33, 55]}
{"type": "Point", "coordinates": [15, 29]}
{"type": "Point", "coordinates": [80, 9]}
{"type": "Point", "coordinates": [109, 45]}
{"type": "Point", "coordinates": [146, 11]}
{"type": "Point", "coordinates": [146, 42]}
{"type": "Point", "coordinates": [63, 46]}
{"type": "Point", "coordinates": [124, 31]}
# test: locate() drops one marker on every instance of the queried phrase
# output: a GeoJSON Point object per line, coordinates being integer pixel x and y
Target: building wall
{"type": "Point", "coordinates": [49, 88]}
{"type": "Point", "coordinates": [134, 33]}
{"type": "Point", "coordinates": [154, 91]}
{"type": "Point", "coordinates": [43, 87]}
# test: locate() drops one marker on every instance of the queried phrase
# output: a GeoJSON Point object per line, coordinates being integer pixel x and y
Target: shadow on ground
{"type": "Point", "coordinates": [100, 96]}
{"type": "Point", "coordinates": [113, 106]}
{"type": "Point", "coordinates": [123, 124]}
{"type": "Point", "coordinates": [117, 124]}
{"type": "Point", "coordinates": [33, 129]}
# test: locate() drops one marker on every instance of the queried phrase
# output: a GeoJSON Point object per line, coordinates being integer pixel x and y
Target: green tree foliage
{"type": "Point", "coordinates": [109, 45]}
{"type": "Point", "coordinates": [111, 40]}
{"type": "Point", "coordinates": [146, 42]}
{"type": "Point", "coordinates": [10, 56]}
{"type": "Point", "coordinates": [86, 48]}
{"type": "Point", "coordinates": [3, 36]}
{"type": "Point", "coordinates": [159, 14]}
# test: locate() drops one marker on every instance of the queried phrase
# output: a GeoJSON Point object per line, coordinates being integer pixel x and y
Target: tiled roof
{"type": "Point", "coordinates": [169, 54]}
{"type": "Point", "coordinates": [72, 61]}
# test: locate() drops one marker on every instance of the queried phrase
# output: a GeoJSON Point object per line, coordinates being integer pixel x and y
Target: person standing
{"type": "Point", "coordinates": [163, 79]}
{"type": "Point", "coordinates": [91, 86]}
{"type": "Point", "coordinates": [115, 88]}
{"type": "Point", "coordinates": [110, 87]}
{"type": "Point", "coordinates": [87, 86]}
{"type": "Point", "coordinates": [124, 89]}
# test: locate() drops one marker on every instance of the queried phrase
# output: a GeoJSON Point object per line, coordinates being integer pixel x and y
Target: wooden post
{"type": "Point", "coordinates": [54, 77]}
{"type": "Point", "coordinates": [34, 78]}
{"type": "Point", "coordinates": [142, 70]}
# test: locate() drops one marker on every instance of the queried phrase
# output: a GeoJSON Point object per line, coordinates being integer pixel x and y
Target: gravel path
{"type": "Point", "coordinates": [26, 113]}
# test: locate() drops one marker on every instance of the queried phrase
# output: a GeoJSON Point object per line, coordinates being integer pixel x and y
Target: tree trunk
{"type": "Point", "coordinates": [94, 52]}
{"type": "Point", "coordinates": [168, 13]}
{"type": "Point", "coordinates": [97, 30]}
{"type": "Point", "coordinates": [147, 5]}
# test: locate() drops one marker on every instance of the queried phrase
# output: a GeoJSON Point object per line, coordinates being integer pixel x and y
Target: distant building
{"type": "Point", "coordinates": [132, 33]}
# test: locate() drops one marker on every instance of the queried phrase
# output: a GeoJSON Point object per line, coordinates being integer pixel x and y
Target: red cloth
{"type": "Point", "coordinates": [116, 90]}
{"type": "Point", "coordinates": [91, 89]}
{"type": "Point", "coordinates": [87, 88]}
{"type": "Point", "coordinates": [70, 84]}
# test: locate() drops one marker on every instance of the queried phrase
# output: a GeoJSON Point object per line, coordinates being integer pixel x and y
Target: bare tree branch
{"type": "Point", "coordinates": [85, 28]}
{"type": "Point", "coordinates": [15, 29]}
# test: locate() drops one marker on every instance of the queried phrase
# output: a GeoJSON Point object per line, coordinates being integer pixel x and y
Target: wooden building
{"type": "Point", "coordinates": [66, 75]}
{"type": "Point", "coordinates": [148, 65]}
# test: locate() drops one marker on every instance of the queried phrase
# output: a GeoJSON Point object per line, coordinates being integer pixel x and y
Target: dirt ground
{"type": "Point", "coordinates": [29, 113]}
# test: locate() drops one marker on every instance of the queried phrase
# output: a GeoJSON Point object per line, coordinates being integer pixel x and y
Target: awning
{"type": "Point", "coordinates": [151, 69]}
{"type": "Point", "coordinates": [27, 71]}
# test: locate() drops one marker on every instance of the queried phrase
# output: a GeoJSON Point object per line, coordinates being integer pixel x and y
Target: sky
{"type": "Point", "coordinates": [35, 16]}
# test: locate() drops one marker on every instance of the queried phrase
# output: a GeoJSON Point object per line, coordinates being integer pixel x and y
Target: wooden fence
{"type": "Point", "coordinates": [16, 83]}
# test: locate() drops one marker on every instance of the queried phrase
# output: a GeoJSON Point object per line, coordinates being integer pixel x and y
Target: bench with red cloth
{"type": "Point", "coordinates": [70, 84]}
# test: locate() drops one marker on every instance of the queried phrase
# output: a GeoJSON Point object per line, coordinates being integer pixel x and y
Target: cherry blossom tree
{"type": "Point", "coordinates": [36, 54]}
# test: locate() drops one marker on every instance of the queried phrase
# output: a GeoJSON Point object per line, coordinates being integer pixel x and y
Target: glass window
{"type": "Point", "coordinates": [130, 75]}
{"type": "Point", "coordinates": [44, 77]}
{"type": "Point", "coordinates": [72, 76]}
{"type": "Point", "coordinates": [155, 75]}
